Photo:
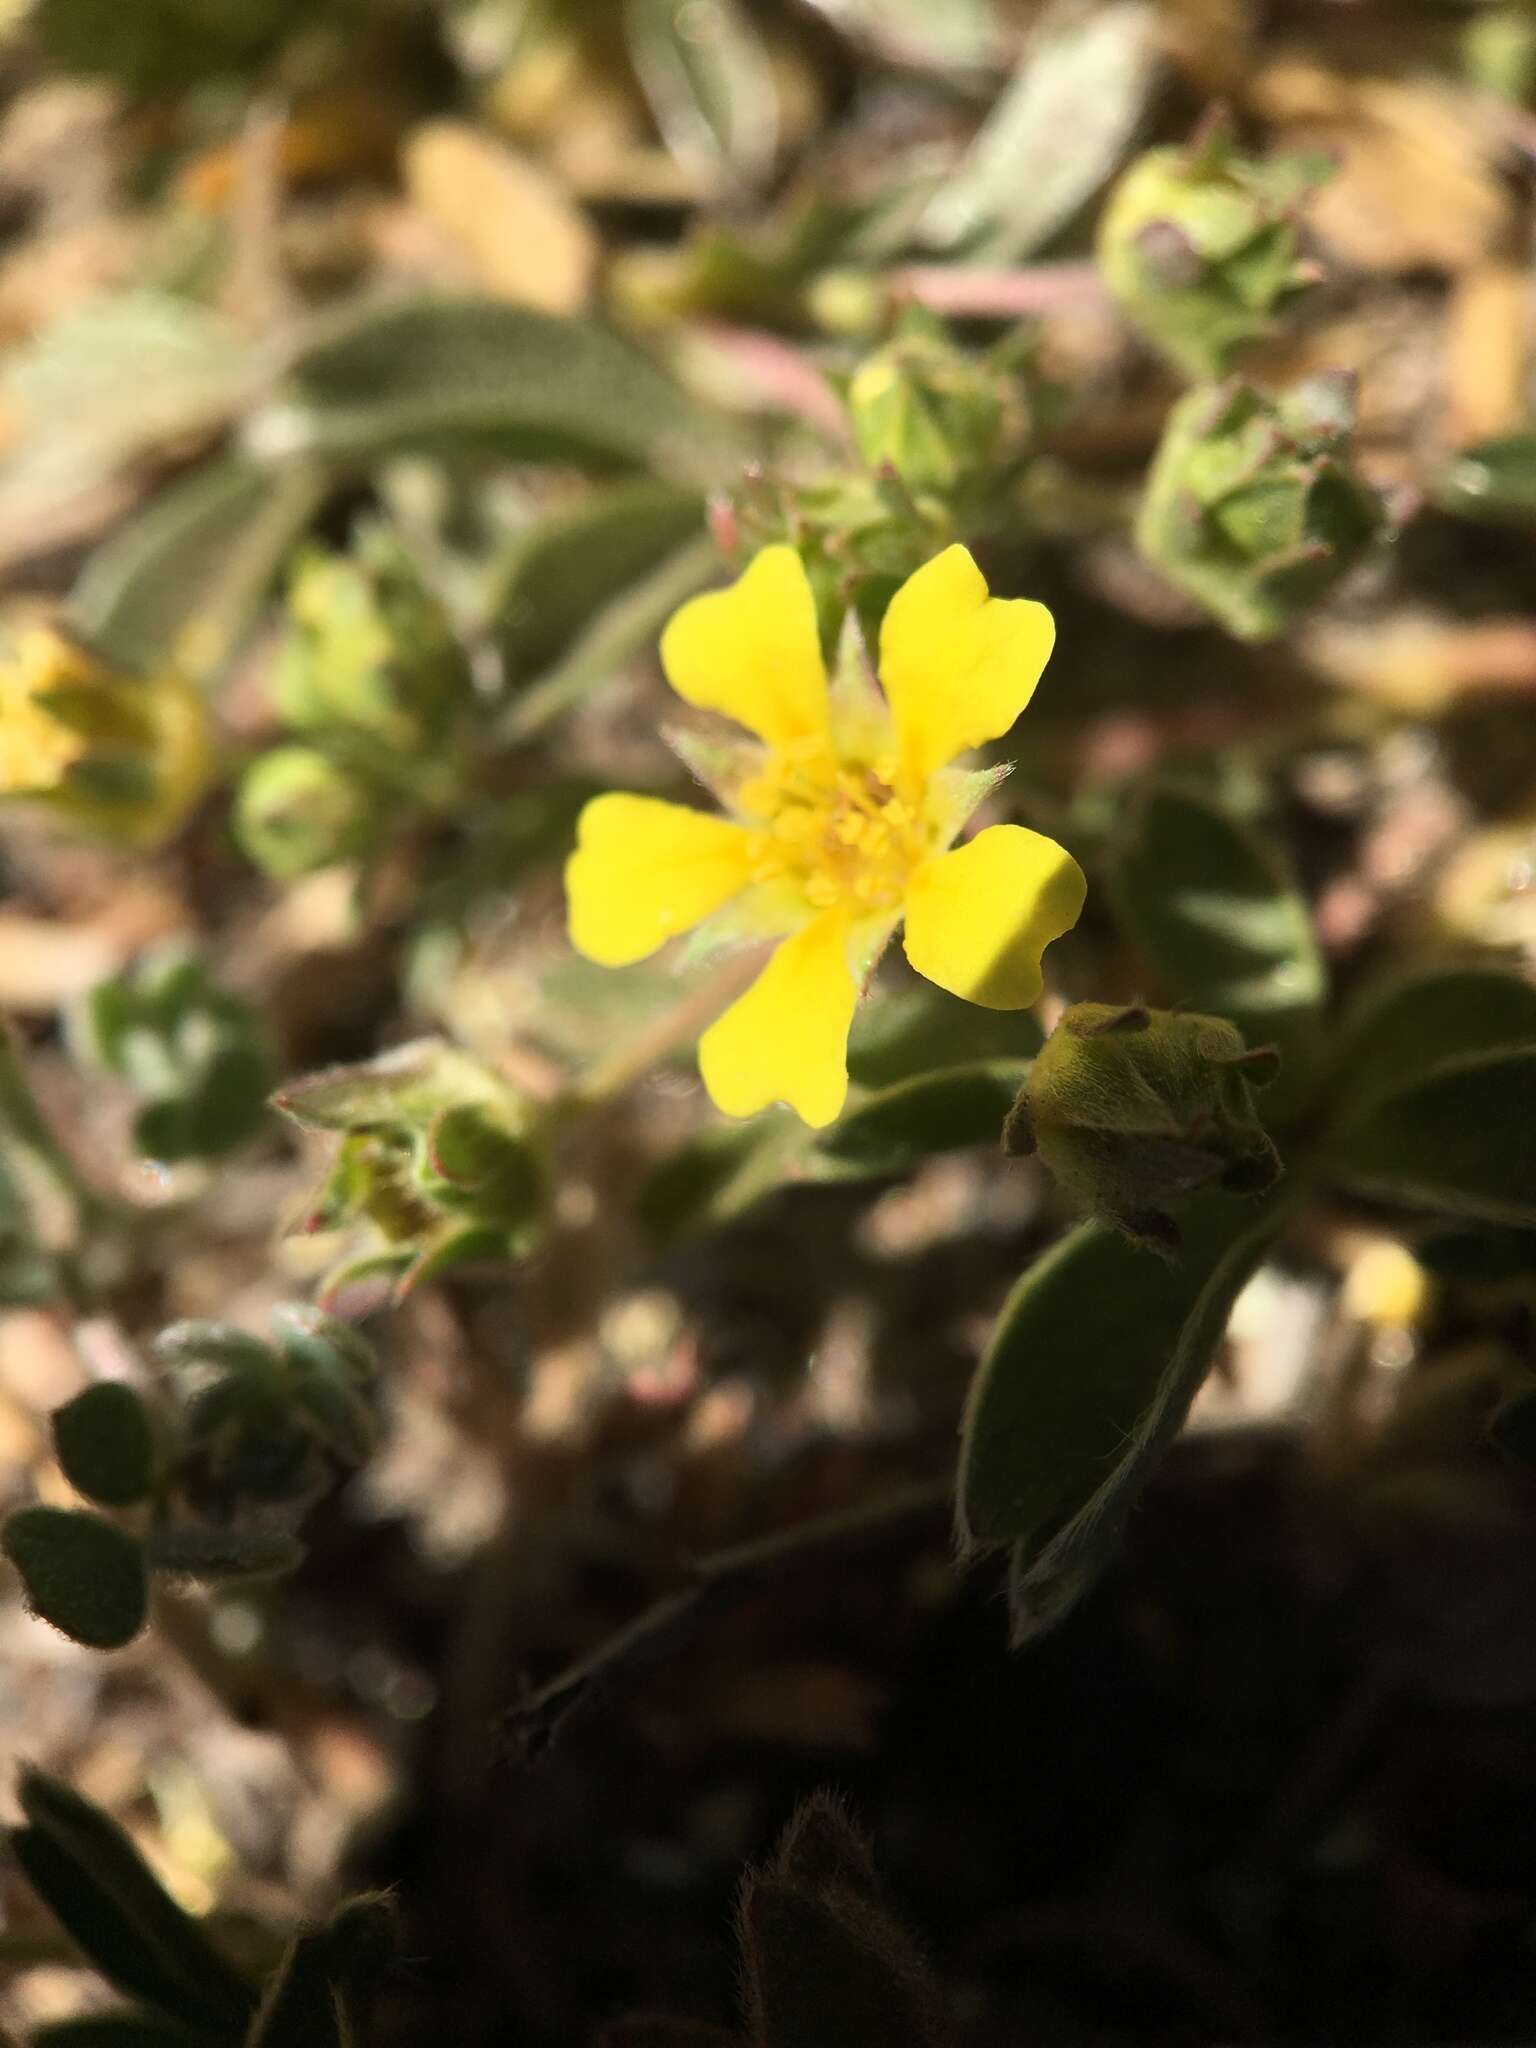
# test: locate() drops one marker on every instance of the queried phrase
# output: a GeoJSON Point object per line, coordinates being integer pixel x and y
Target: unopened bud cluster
{"type": "Point", "coordinates": [441, 1159]}
{"type": "Point", "coordinates": [1254, 507]}
{"type": "Point", "coordinates": [375, 690]}
{"type": "Point", "coordinates": [1200, 248]}
{"type": "Point", "coordinates": [943, 437]}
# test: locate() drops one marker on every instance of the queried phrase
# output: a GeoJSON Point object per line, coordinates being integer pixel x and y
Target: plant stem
{"type": "Point", "coordinates": [697, 1008]}
{"type": "Point", "coordinates": [719, 1583]}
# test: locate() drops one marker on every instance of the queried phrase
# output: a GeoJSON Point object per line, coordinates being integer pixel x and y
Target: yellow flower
{"type": "Point", "coordinates": [124, 756]}
{"type": "Point", "coordinates": [840, 820]}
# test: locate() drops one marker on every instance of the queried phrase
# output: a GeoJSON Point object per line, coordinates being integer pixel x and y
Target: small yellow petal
{"type": "Point", "coordinates": [979, 918]}
{"type": "Point", "coordinates": [752, 651]}
{"type": "Point", "coordinates": [958, 666]}
{"type": "Point", "coordinates": [644, 870]}
{"type": "Point", "coordinates": [786, 1039]}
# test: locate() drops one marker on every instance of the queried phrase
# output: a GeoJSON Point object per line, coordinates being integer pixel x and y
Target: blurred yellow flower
{"type": "Point", "coordinates": [123, 756]}
{"type": "Point", "coordinates": [840, 817]}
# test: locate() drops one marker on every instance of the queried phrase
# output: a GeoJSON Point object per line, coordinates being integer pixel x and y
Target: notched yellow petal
{"type": "Point", "coordinates": [752, 652]}
{"type": "Point", "coordinates": [643, 871]}
{"type": "Point", "coordinates": [786, 1039]}
{"type": "Point", "coordinates": [957, 664]}
{"type": "Point", "coordinates": [979, 918]}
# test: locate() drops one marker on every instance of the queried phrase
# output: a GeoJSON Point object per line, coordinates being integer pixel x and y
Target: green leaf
{"type": "Point", "coordinates": [622, 630]}
{"type": "Point", "coordinates": [1456, 1139]}
{"type": "Point", "coordinates": [186, 577]}
{"type": "Point", "coordinates": [454, 372]}
{"type": "Point", "coordinates": [1212, 908]}
{"type": "Point", "coordinates": [99, 1888]}
{"type": "Point", "coordinates": [1046, 1577]}
{"type": "Point", "coordinates": [1493, 481]}
{"type": "Point", "coordinates": [960, 35]}
{"type": "Point", "coordinates": [1055, 135]}
{"type": "Point", "coordinates": [1096, 1355]}
{"type": "Point", "coordinates": [105, 1444]}
{"type": "Point", "coordinates": [940, 1112]}
{"type": "Point", "coordinates": [81, 1574]}
{"type": "Point", "coordinates": [1409, 1027]}
{"type": "Point", "coordinates": [717, 1175]}
{"type": "Point", "coordinates": [400, 1090]}
{"type": "Point", "coordinates": [912, 1030]}
{"type": "Point", "coordinates": [710, 83]}
{"type": "Point", "coordinates": [82, 420]}
{"type": "Point", "coordinates": [570, 564]}
{"type": "Point", "coordinates": [209, 1553]}
{"type": "Point", "coordinates": [210, 1346]}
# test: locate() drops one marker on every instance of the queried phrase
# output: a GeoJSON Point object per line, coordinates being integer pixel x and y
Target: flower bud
{"type": "Point", "coordinates": [938, 416]}
{"type": "Point", "coordinates": [1253, 507]}
{"type": "Point", "coordinates": [1135, 1110]}
{"type": "Point", "coordinates": [265, 1422]}
{"type": "Point", "coordinates": [371, 657]}
{"type": "Point", "coordinates": [439, 1155]}
{"type": "Point", "coordinates": [124, 757]}
{"type": "Point", "coordinates": [297, 810]}
{"type": "Point", "coordinates": [1199, 247]}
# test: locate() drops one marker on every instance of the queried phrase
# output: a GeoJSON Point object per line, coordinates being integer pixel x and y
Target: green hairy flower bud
{"type": "Point", "coordinates": [1253, 507]}
{"type": "Point", "coordinates": [1199, 247]}
{"type": "Point", "coordinates": [371, 658]}
{"type": "Point", "coordinates": [1135, 1110]}
{"type": "Point", "coordinates": [297, 810]}
{"type": "Point", "coordinates": [936, 415]}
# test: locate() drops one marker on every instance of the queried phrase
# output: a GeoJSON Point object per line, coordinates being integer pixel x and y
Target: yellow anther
{"type": "Point", "coordinates": [833, 825]}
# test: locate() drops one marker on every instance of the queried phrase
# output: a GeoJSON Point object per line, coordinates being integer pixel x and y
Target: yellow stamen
{"type": "Point", "coordinates": [834, 826]}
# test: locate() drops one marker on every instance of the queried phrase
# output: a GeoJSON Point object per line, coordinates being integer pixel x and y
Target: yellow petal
{"type": "Point", "coordinates": [752, 651]}
{"type": "Point", "coordinates": [979, 918]}
{"type": "Point", "coordinates": [786, 1039]}
{"type": "Point", "coordinates": [958, 666]}
{"type": "Point", "coordinates": [644, 870]}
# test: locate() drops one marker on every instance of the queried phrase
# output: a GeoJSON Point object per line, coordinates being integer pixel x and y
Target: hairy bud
{"type": "Point", "coordinates": [1253, 506]}
{"type": "Point", "coordinates": [1135, 1110]}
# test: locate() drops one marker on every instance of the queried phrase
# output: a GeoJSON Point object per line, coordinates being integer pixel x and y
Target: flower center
{"type": "Point", "coordinates": [833, 826]}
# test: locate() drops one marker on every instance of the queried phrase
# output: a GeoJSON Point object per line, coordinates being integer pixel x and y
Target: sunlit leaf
{"type": "Point", "coordinates": [1055, 135]}
{"type": "Point", "coordinates": [710, 84]}
{"type": "Point", "coordinates": [570, 564]}
{"type": "Point", "coordinates": [185, 578]}
{"type": "Point", "coordinates": [457, 373]}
